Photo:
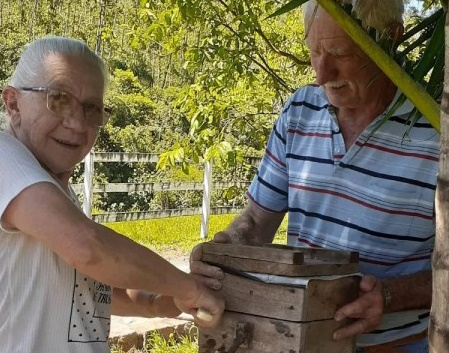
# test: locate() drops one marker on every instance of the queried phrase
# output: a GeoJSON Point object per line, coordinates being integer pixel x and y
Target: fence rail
{"type": "Point", "coordinates": [88, 188]}
{"type": "Point", "coordinates": [142, 215]}
{"type": "Point", "coordinates": [161, 186]}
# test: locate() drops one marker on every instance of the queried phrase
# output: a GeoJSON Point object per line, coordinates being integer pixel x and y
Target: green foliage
{"type": "Point", "coordinates": [184, 344]}
{"type": "Point", "coordinates": [192, 80]}
{"type": "Point", "coordinates": [156, 343]}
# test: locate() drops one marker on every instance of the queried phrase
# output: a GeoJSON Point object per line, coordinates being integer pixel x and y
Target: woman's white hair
{"type": "Point", "coordinates": [378, 14]}
{"type": "Point", "coordinates": [30, 66]}
{"type": "Point", "coordinates": [3, 120]}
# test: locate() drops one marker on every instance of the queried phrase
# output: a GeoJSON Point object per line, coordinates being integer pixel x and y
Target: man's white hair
{"type": "Point", "coordinates": [30, 66]}
{"type": "Point", "coordinates": [378, 14]}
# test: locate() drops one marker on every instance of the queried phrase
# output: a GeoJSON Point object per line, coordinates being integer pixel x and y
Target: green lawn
{"type": "Point", "coordinates": [178, 234]}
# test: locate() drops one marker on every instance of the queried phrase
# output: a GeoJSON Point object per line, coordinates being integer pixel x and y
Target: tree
{"type": "Point", "coordinates": [439, 325]}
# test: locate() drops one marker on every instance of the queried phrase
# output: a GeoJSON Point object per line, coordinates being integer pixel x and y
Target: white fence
{"type": "Point", "coordinates": [88, 188]}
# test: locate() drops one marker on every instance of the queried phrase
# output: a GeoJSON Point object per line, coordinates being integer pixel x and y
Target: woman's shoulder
{"type": "Point", "coordinates": [12, 148]}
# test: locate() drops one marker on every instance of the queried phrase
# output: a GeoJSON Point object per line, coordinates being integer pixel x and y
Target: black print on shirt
{"type": "Point", "coordinates": [90, 313]}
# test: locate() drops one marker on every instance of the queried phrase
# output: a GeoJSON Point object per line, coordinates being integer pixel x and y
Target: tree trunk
{"type": "Point", "coordinates": [439, 323]}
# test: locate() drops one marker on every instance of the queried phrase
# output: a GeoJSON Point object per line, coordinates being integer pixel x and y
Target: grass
{"type": "Point", "coordinates": [177, 234]}
{"type": "Point", "coordinates": [158, 344]}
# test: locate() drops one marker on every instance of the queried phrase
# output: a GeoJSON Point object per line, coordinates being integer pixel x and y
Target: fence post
{"type": "Point", "coordinates": [87, 185]}
{"type": "Point", "coordinates": [207, 187]}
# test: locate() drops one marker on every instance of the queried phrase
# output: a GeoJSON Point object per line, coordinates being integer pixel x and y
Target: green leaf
{"type": "Point", "coordinates": [288, 7]}
{"type": "Point", "coordinates": [434, 46]}
{"type": "Point", "coordinates": [436, 80]}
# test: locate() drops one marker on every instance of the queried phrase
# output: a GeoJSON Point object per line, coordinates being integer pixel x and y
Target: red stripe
{"type": "Point", "coordinates": [304, 241]}
{"type": "Point", "coordinates": [399, 153]}
{"type": "Point", "coordinates": [274, 158]}
{"type": "Point", "coordinates": [313, 134]}
{"type": "Point", "coordinates": [347, 197]}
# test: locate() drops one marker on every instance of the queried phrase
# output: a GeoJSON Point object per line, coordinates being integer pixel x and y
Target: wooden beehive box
{"type": "Point", "coordinates": [292, 315]}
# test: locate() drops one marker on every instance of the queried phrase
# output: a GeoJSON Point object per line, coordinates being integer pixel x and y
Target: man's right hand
{"type": "Point", "coordinates": [210, 276]}
{"type": "Point", "coordinates": [254, 226]}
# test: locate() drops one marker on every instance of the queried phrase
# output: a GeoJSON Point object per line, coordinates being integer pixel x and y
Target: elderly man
{"type": "Point", "coordinates": [350, 183]}
{"type": "Point", "coordinates": [59, 271]}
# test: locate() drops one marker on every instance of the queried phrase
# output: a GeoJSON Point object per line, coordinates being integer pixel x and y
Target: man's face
{"type": "Point", "coordinates": [347, 74]}
{"type": "Point", "coordinates": [60, 143]}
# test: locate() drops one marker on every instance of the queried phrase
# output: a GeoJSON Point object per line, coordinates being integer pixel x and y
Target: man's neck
{"type": "Point", "coordinates": [353, 121]}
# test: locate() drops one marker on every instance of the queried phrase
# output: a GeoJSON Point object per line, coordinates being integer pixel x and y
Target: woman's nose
{"type": "Point", "coordinates": [77, 121]}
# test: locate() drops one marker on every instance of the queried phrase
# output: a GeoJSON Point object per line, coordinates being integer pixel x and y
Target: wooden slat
{"type": "Point", "coordinates": [305, 270]}
{"type": "Point", "coordinates": [135, 216]}
{"type": "Point", "coordinates": [142, 215]}
{"type": "Point", "coordinates": [248, 296]}
{"type": "Point", "coordinates": [147, 157]}
{"type": "Point", "coordinates": [125, 157]}
{"type": "Point", "coordinates": [318, 301]}
{"type": "Point", "coordinates": [334, 256]}
{"type": "Point", "coordinates": [268, 336]}
{"type": "Point", "coordinates": [273, 336]}
{"type": "Point", "coordinates": [325, 297]}
{"type": "Point", "coordinates": [255, 252]}
{"type": "Point", "coordinates": [160, 186]}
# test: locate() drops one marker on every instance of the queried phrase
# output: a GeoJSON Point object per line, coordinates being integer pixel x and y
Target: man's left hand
{"type": "Point", "coordinates": [367, 310]}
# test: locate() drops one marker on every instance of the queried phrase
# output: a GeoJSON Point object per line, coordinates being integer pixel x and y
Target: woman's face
{"type": "Point", "coordinates": [59, 143]}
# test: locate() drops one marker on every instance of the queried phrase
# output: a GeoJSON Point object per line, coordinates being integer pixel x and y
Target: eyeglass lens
{"type": "Point", "coordinates": [65, 105]}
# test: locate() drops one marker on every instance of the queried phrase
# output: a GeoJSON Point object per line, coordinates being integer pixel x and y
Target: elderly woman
{"type": "Point", "coordinates": [60, 272]}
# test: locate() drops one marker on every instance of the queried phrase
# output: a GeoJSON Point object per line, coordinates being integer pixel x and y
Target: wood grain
{"type": "Point", "coordinates": [317, 268]}
{"type": "Point", "coordinates": [293, 257]}
{"type": "Point", "coordinates": [318, 301]}
{"type": "Point", "coordinates": [274, 336]}
{"type": "Point", "coordinates": [328, 255]}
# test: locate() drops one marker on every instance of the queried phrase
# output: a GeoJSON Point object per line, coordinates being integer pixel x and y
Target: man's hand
{"type": "Point", "coordinates": [205, 306]}
{"type": "Point", "coordinates": [367, 309]}
{"type": "Point", "coordinates": [209, 276]}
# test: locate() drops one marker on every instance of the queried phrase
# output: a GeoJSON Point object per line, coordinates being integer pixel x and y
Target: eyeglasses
{"type": "Point", "coordinates": [66, 105]}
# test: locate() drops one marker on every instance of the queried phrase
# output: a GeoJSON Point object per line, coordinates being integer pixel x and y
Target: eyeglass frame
{"type": "Point", "coordinates": [41, 89]}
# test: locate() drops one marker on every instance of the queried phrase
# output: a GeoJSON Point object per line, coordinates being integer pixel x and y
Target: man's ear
{"type": "Point", "coordinates": [10, 101]}
{"type": "Point", "coordinates": [395, 31]}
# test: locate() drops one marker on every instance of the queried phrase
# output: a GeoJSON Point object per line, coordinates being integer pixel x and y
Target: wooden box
{"type": "Point", "coordinates": [281, 299]}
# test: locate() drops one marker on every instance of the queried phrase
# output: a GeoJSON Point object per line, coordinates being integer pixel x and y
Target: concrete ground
{"type": "Point", "coordinates": [129, 332]}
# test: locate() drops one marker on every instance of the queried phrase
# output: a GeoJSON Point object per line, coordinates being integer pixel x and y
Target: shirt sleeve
{"type": "Point", "coordinates": [269, 188]}
{"type": "Point", "coordinates": [19, 169]}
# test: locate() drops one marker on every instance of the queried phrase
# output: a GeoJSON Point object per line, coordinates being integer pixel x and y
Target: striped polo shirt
{"type": "Point", "coordinates": [376, 198]}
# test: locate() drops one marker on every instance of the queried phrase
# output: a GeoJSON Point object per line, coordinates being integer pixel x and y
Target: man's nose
{"type": "Point", "coordinates": [325, 70]}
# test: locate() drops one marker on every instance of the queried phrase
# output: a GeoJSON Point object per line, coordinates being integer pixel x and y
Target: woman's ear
{"type": "Point", "coordinates": [10, 100]}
